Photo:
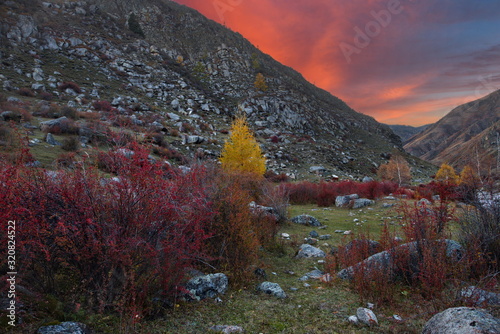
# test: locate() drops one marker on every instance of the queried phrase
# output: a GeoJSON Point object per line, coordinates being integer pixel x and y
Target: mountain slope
{"type": "Point", "coordinates": [186, 70]}
{"type": "Point", "coordinates": [405, 132]}
{"type": "Point", "coordinates": [466, 134]}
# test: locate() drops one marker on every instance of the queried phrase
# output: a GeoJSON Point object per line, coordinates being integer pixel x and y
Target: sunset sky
{"type": "Point", "coordinates": [400, 61]}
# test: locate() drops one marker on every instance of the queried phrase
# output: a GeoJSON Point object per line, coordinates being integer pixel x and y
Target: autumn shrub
{"type": "Point", "coordinates": [70, 144]}
{"type": "Point", "coordinates": [302, 192]}
{"type": "Point", "coordinates": [276, 178]}
{"type": "Point", "coordinates": [325, 193]}
{"type": "Point", "coordinates": [102, 106]}
{"type": "Point", "coordinates": [479, 231]}
{"type": "Point", "coordinates": [64, 126]}
{"type": "Point", "coordinates": [26, 92]}
{"type": "Point", "coordinates": [113, 244]}
{"type": "Point", "coordinates": [46, 96]}
{"type": "Point", "coordinates": [238, 233]}
{"type": "Point", "coordinates": [70, 85]}
{"type": "Point", "coordinates": [170, 154]}
{"type": "Point", "coordinates": [66, 160]}
{"type": "Point", "coordinates": [70, 112]}
{"type": "Point", "coordinates": [422, 262]}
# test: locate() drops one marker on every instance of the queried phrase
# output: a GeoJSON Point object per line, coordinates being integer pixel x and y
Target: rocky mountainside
{"type": "Point", "coordinates": [405, 132]}
{"type": "Point", "coordinates": [468, 134]}
{"type": "Point", "coordinates": [166, 69]}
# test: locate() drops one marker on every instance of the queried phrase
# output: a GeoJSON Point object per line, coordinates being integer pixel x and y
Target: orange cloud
{"type": "Point", "coordinates": [408, 62]}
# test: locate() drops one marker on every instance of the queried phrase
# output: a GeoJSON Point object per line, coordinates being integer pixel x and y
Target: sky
{"type": "Point", "coordinates": [405, 62]}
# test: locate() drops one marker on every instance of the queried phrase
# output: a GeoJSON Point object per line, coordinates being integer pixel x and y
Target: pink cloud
{"type": "Point", "coordinates": [404, 51]}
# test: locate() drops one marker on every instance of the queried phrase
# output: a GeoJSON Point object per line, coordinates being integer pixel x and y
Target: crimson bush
{"type": "Point", "coordinates": [119, 242]}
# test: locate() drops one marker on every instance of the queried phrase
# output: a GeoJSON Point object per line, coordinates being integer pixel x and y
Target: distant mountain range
{"type": "Point", "coordinates": [405, 132]}
{"type": "Point", "coordinates": [469, 134]}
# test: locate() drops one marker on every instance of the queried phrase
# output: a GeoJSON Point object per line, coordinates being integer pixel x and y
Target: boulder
{"type": "Point", "coordinates": [462, 320]}
{"type": "Point", "coordinates": [306, 220]}
{"type": "Point", "coordinates": [343, 201]}
{"type": "Point", "coordinates": [314, 234]}
{"type": "Point", "coordinates": [68, 327]}
{"type": "Point", "coordinates": [273, 289]}
{"type": "Point", "coordinates": [207, 286]}
{"type": "Point", "coordinates": [193, 139]}
{"type": "Point", "coordinates": [384, 261]}
{"type": "Point", "coordinates": [317, 169]}
{"type": "Point", "coordinates": [366, 317]}
{"type": "Point", "coordinates": [266, 210]}
{"type": "Point", "coordinates": [49, 125]}
{"type": "Point", "coordinates": [307, 251]}
{"type": "Point", "coordinates": [479, 297]}
{"type": "Point", "coordinates": [362, 202]}
{"type": "Point", "coordinates": [51, 140]}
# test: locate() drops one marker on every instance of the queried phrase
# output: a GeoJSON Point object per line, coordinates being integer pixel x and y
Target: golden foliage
{"type": "Point", "coordinates": [469, 177]}
{"type": "Point", "coordinates": [446, 174]}
{"type": "Point", "coordinates": [396, 170]}
{"type": "Point", "coordinates": [260, 82]}
{"type": "Point", "coordinates": [241, 152]}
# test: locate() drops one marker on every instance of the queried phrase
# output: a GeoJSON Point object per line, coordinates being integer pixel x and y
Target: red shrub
{"type": "Point", "coordinates": [102, 106]}
{"type": "Point", "coordinates": [302, 192]}
{"type": "Point", "coordinates": [116, 243]}
{"type": "Point", "coordinates": [71, 85]}
{"type": "Point", "coordinates": [26, 92]}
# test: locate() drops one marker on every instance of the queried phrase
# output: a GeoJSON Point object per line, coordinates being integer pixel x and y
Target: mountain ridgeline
{"type": "Point", "coordinates": [467, 135]}
{"type": "Point", "coordinates": [172, 66]}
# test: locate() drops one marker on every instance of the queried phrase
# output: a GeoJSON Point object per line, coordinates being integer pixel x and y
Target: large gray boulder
{"type": "Point", "coordinates": [65, 328]}
{"type": "Point", "coordinates": [343, 201]}
{"type": "Point", "coordinates": [273, 289]}
{"type": "Point", "coordinates": [362, 202]}
{"type": "Point", "coordinates": [306, 220]}
{"type": "Point", "coordinates": [207, 286]}
{"type": "Point", "coordinates": [462, 320]}
{"type": "Point", "coordinates": [307, 251]}
{"type": "Point", "coordinates": [384, 262]}
{"type": "Point", "coordinates": [48, 126]}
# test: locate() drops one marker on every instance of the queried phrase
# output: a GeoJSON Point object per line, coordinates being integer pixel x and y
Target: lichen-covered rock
{"type": "Point", "coordinates": [478, 297]}
{"type": "Point", "coordinates": [307, 250]}
{"type": "Point", "coordinates": [306, 220]}
{"type": "Point", "coordinates": [366, 316]}
{"type": "Point", "coordinates": [273, 289]}
{"type": "Point", "coordinates": [362, 202]}
{"type": "Point", "coordinates": [65, 328]}
{"type": "Point", "coordinates": [384, 261]}
{"type": "Point", "coordinates": [207, 286]}
{"type": "Point", "coordinates": [462, 320]}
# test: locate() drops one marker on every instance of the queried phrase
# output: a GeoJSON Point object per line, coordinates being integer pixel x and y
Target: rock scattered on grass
{"type": "Point", "coordinates": [307, 251]}
{"type": "Point", "coordinates": [462, 320]}
{"type": "Point", "coordinates": [68, 327]}
{"type": "Point", "coordinates": [273, 289]}
{"type": "Point", "coordinates": [306, 220]}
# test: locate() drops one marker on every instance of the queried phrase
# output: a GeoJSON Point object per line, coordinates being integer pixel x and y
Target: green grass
{"type": "Point", "coordinates": [318, 308]}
